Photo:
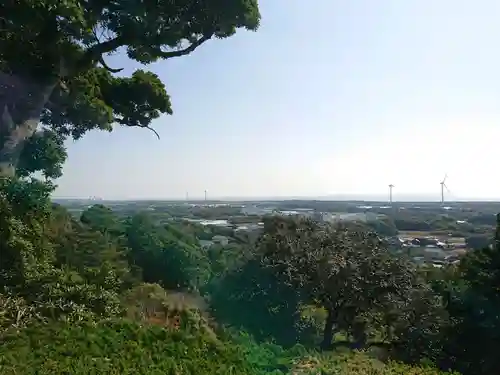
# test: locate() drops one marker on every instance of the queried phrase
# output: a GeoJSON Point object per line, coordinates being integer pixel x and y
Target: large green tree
{"type": "Point", "coordinates": [346, 271]}
{"type": "Point", "coordinates": [102, 219]}
{"type": "Point", "coordinates": [54, 85]}
{"type": "Point", "coordinates": [162, 257]}
{"type": "Point", "coordinates": [252, 298]}
{"type": "Point", "coordinates": [53, 69]}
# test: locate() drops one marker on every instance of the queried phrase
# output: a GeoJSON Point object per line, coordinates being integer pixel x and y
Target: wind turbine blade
{"type": "Point", "coordinates": [445, 177]}
{"type": "Point", "coordinates": [448, 190]}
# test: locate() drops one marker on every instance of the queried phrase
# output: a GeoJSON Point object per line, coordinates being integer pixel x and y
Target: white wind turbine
{"type": "Point", "coordinates": [443, 186]}
{"type": "Point", "coordinates": [390, 193]}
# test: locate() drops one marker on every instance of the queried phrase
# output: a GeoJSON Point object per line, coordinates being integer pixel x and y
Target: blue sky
{"type": "Point", "coordinates": [328, 97]}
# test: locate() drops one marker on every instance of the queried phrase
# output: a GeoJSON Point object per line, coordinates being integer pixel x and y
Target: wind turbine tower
{"type": "Point", "coordinates": [390, 193]}
{"type": "Point", "coordinates": [443, 185]}
{"type": "Point", "coordinates": [205, 195]}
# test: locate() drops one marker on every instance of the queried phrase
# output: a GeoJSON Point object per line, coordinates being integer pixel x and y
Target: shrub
{"type": "Point", "coordinates": [116, 347]}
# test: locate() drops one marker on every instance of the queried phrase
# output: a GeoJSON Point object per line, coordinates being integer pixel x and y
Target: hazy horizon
{"type": "Point", "coordinates": [326, 98]}
{"type": "Point", "coordinates": [340, 197]}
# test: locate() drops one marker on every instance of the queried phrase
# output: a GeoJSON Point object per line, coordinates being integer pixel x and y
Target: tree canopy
{"type": "Point", "coordinates": [63, 80]}
{"type": "Point", "coordinates": [346, 271]}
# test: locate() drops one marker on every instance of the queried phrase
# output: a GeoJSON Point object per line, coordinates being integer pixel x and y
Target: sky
{"type": "Point", "coordinates": [327, 98]}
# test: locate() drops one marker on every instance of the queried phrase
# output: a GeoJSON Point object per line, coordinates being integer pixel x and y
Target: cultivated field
{"type": "Point", "coordinates": [440, 236]}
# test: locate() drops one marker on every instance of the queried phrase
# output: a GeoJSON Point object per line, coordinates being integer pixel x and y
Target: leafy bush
{"type": "Point", "coordinates": [124, 347]}
{"type": "Point", "coordinates": [116, 347]}
{"type": "Point", "coordinates": [359, 364]}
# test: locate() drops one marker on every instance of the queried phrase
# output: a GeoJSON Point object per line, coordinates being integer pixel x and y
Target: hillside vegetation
{"type": "Point", "coordinates": [126, 294]}
{"type": "Point", "coordinates": [123, 347]}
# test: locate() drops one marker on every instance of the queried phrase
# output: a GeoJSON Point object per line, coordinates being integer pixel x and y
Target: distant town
{"type": "Point", "coordinates": [428, 232]}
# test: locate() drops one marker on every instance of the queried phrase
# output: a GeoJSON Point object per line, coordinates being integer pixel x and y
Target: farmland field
{"type": "Point", "coordinates": [415, 234]}
{"type": "Point", "coordinates": [441, 236]}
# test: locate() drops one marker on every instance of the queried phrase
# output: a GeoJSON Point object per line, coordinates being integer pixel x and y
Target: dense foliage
{"type": "Point", "coordinates": [127, 348]}
{"type": "Point", "coordinates": [117, 348]}
{"type": "Point", "coordinates": [320, 286]}
{"type": "Point", "coordinates": [64, 82]}
{"type": "Point", "coordinates": [279, 289]}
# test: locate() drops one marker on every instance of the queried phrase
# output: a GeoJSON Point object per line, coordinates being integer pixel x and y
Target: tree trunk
{"type": "Point", "coordinates": [21, 104]}
{"type": "Point", "coordinates": [360, 337]}
{"type": "Point", "coordinates": [328, 330]}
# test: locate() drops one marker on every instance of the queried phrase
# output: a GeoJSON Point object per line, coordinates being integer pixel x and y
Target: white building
{"type": "Point", "coordinates": [249, 227]}
{"type": "Point", "coordinates": [256, 211]}
{"type": "Point", "coordinates": [305, 213]}
{"type": "Point", "coordinates": [358, 216]}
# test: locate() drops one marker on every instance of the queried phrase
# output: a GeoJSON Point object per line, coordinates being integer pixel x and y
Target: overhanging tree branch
{"type": "Point", "coordinates": [122, 122]}
{"type": "Point", "coordinates": [94, 53]}
{"type": "Point", "coordinates": [99, 49]}
{"type": "Point", "coordinates": [103, 63]}
{"type": "Point", "coordinates": [154, 131]}
{"type": "Point", "coordinates": [187, 50]}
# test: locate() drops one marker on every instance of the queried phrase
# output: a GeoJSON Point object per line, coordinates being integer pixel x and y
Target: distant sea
{"type": "Point", "coordinates": [333, 197]}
